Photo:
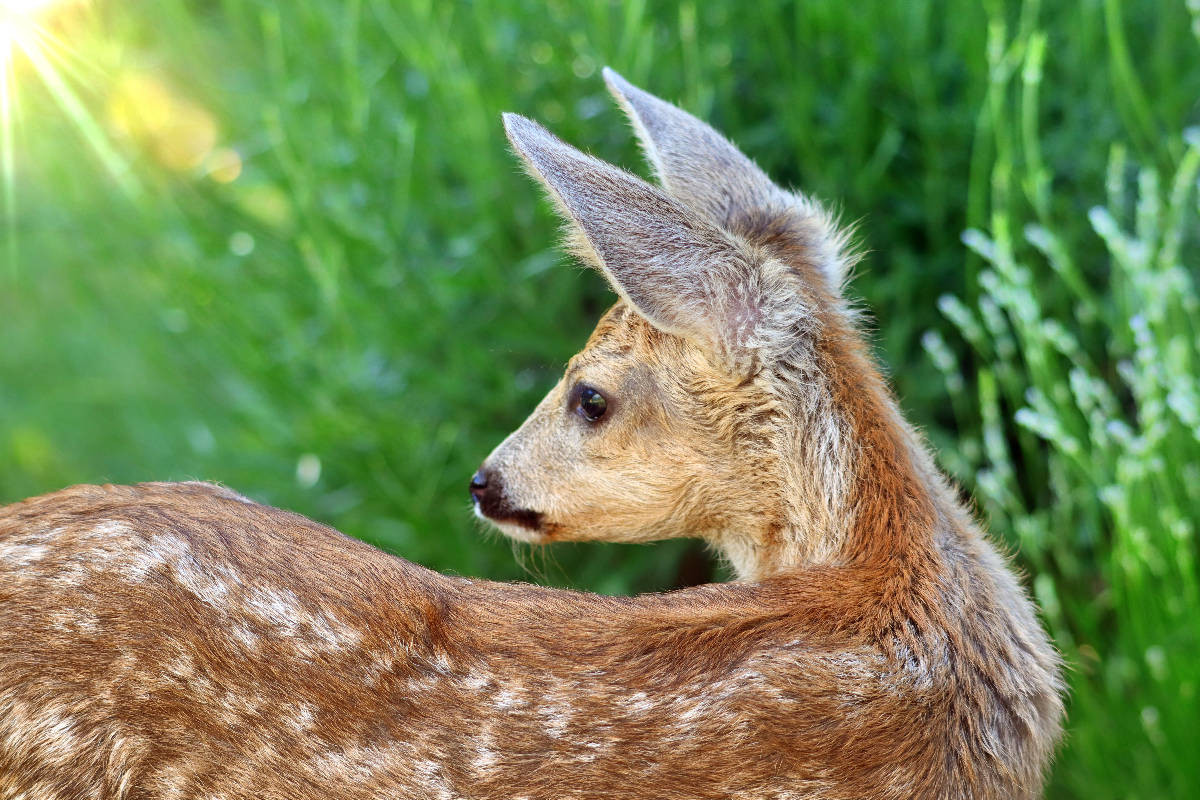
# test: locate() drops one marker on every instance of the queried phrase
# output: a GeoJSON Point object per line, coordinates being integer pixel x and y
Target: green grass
{"type": "Point", "coordinates": [378, 292]}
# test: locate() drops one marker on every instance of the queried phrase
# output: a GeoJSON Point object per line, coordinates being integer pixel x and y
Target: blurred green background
{"type": "Point", "coordinates": [284, 246]}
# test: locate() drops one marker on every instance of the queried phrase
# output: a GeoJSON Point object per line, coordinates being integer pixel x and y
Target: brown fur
{"type": "Point", "coordinates": [178, 640]}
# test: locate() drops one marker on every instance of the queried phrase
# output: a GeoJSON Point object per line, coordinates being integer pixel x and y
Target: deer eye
{"type": "Point", "coordinates": [590, 404]}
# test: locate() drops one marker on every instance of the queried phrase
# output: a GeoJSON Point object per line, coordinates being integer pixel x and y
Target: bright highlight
{"type": "Point", "coordinates": [19, 22]}
{"type": "Point", "coordinates": [26, 41]}
{"type": "Point", "coordinates": [179, 133]}
{"type": "Point", "coordinates": [29, 7]}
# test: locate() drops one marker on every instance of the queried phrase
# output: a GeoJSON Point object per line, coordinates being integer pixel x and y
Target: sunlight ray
{"type": "Point", "coordinates": [22, 34]}
{"type": "Point", "coordinates": [92, 133]}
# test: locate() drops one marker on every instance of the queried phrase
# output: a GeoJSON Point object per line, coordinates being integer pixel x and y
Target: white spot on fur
{"type": "Point", "coordinates": [640, 703]}
{"type": "Point", "coordinates": [485, 756]}
{"type": "Point", "coordinates": [333, 633]}
{"type": "Point", "coordinates": [485, 759]}
{"type": "Point", "coordinates": [62, 745]}
{"type": "Point", "coordinates": [74, 621]}
{"type": "Point", "coordinates": [108, 529]}
{"type": "Point", "coordinates": [42, 734]}
{"type": "Point", "coordinates": [556, 718]}
{"type": "Point", "coordinates": [210, 583]}
{"type": "Point", "coordinates": [335, 765]}
{"type": "Point", "coordinates": [302, 718]}
{"type": "Point", "coordinates": [476, 683]}
{"type": "Point", "coordinates": [125, 752]}
{"type": "Point", "coordinates": [314, 632]}
{"type": "Point", "coordinates": [181, 666]}
{"type": "Point", "coordinates": [506, 699]}
{"type": "Point", "coordinates": [244, 636]}
{"type": "Point", "coordinates": [22, 554]}
{"type": "Point", "coordinates": [429, 773]}
{"type": "Point", "coordinates": [277, 607]}
{"type": "Point", "coordinates": [442, 664]}
{"type": "Point", "coordinates": [172, 782]}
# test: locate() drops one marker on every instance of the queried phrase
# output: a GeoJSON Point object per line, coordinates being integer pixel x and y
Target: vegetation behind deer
{"type": "Point", "coordinates": [235, 331]}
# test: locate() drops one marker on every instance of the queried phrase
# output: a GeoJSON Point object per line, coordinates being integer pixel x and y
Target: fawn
{"type": "Point", "coordinates": [181, 641]}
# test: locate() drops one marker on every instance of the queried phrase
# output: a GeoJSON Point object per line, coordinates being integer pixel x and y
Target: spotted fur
{"type": "Point", "coordinates": [181, 641]}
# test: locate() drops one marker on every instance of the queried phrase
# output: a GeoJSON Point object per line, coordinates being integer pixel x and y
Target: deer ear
{"type": "Point", "coordinates": [681, 272]}
{"type": "Point", "coordinates": [705, 171]}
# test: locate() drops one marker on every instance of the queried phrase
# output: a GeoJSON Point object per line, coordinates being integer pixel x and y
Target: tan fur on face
{"type": "Point", "coordinates": [685, 450]}
{"type": "Point", "coordinates": [648, 469]}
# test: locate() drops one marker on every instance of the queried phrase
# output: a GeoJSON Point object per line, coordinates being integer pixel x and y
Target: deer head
{"type": "Point", "coordinates": [703, 404]}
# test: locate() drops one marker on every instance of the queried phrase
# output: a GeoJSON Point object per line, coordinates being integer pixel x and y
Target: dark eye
{"type": "Point", "coordinates": [591, 404]}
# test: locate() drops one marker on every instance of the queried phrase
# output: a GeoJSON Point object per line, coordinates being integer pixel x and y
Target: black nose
{"type": "Point", "coordinates": [479, 484]}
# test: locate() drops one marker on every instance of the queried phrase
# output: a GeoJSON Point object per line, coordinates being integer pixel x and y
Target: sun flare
{"type": "Point", "coordinates": [29, 6]}
{"type": "Point", "coordinates": [27, 40]}
{"type": "Point", "coordinates": [19, 22]}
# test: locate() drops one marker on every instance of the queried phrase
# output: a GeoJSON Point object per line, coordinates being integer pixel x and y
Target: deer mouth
{"type": "Point", "coordinates": [494, 506]}
{"type": "Point", "coordinates": [521, 517]}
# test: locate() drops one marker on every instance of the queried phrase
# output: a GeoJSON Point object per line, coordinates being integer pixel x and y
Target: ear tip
{"type": "Point", "coordinates": [634, 100]}
{"type": "Point", "coordinates": [521, 130]}
{"type": "Point", "coordinates": [615, 82]}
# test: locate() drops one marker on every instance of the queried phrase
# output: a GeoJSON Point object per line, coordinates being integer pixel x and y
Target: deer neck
{"type": "Point", "coordinates": [855, 486]}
